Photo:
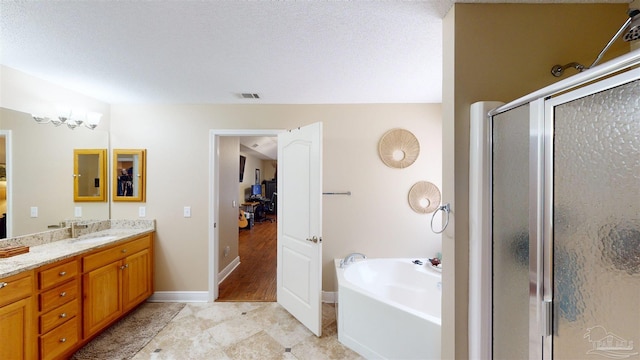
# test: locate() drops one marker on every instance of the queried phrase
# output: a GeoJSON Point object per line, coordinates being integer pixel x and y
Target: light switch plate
{"type": "Point", "coordinates": [142, 211]}
{"type": "Point", "coordinates": [34, 211]}
{"type": "Point", "coordinates": [77, 211]}
{"type": "Point", "coordinates": [187, 211]}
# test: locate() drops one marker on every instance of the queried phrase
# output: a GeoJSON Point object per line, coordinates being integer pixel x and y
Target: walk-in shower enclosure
{"type": "Point", "coordinates": [555, 220]}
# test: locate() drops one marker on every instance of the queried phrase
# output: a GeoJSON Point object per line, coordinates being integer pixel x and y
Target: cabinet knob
{"type": "Point", "coordinates": [3, 284]}
{"type": "Point", "coordinates": [62, 273]}
{"type": "Point", "coordinates": [63, 340]}
{"type": "Point", "coordinates": [124, 266]}
{"type": "Point", "coordinates": [63, 294]}
{"type": "Point", "coordinates": [63, 315]}
{"type": "Point", "coordinates": [124, 250]}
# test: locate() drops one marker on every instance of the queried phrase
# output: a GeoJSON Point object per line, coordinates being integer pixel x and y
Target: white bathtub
{"type": "Point", "coordinates": [389, 308]}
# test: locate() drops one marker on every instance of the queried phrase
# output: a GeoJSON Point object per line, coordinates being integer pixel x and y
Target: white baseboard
{"type": "Point", "coordinates": [330, 297]}
{"type": "Point", "coordinates": [228, 269]}
{"type": "Point", "coordinates": [179, 296]}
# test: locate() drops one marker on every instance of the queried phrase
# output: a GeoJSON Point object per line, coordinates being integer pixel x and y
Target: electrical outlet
{"type": "Point", "coordinates": [234, 203]}
{"type": "Point", "coordinates": [34, 211]}
{"type": "Point", "coordinates": [77, 211]}
{"type": "Point", "coordinates": [142, 211]}
{"type": "Point", "coordinates": [187, 211]}
{"type": "Point", "coordinates": [226, 251]}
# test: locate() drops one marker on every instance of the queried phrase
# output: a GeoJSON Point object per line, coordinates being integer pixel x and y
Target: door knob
{"type": "Point", "coordinates": [315, 239]}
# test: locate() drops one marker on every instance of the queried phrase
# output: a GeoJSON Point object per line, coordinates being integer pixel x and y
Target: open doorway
{"type": "Point", "coordinates": [252, 276]}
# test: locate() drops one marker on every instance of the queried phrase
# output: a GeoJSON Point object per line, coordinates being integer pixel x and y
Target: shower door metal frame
{"type": "Point", "coordinates": [537, 261]}
{"type": "Point", "coordinates": [547, 197]}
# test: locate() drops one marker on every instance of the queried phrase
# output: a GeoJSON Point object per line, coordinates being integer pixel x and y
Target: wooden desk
{"type": "Point", "coordinates": [250, 206]}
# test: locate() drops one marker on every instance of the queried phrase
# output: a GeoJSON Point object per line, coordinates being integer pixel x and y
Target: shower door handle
{"type": "Point", "coordinates": [547, 318]}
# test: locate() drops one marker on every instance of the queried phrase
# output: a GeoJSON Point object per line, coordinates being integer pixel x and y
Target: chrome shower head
{"type": "Point", "coordinates": [634, 27]}
{"type": "Point", "coordinates": [631, 26]}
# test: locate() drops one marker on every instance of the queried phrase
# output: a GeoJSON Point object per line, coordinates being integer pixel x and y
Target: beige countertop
{"type": "Point", "coordinates": [49, 247]}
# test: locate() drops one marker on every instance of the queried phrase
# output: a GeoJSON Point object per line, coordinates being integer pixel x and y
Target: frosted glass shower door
{"type": "Point", "coordinates": [595, 220]}
{"type": "Point", "coordinates": [510, 235]}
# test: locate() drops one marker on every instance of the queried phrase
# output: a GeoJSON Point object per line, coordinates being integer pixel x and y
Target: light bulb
{"type": "Point", "coordinates": [78, 116]}
{"type": "Point", "coordinates": [41, 119]}
{"type": "Point", "coordinates": [93, 119]}
{"type": "Point", "coordinates": [64, 113]}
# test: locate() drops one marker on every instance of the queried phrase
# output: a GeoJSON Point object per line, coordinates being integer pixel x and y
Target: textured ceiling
{"type": "Point", "coordinates": [288, 52]}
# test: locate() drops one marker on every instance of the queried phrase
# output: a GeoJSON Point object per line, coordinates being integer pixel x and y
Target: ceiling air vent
{"type": "Point", "coordinates": [250, 96]}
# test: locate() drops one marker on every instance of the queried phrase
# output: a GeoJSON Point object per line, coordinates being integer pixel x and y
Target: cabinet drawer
{"type": "Point", "coordinates": [16, 287]}
{"type": "Point", "coordinates": [58, 316]}
{"type": "Point", "coordinates": [57, 274]}
{"type": "Point", "coordinates": [115, 253]}
{"type": "Point", "coordinates": [57, 296]}
{"type": "Point", "coordinates": [59, 340]}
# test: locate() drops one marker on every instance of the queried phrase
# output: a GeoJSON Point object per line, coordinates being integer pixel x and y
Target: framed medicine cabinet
{"type": "Point", "coordinates": [129, 174]}
{"type": "Point", "coordinates": [89, 175]}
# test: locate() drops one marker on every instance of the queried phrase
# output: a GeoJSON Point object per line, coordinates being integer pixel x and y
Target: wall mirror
{"type": "Point", "coordinates": [89, 170]}
{"type": "Point", "coordinates": [39, 186]}
{"type": "Point", "coordinates": [129, 174]}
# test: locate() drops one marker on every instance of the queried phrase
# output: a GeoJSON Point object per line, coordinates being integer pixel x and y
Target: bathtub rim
{"type": "Point", "coordinates": [347, 284]}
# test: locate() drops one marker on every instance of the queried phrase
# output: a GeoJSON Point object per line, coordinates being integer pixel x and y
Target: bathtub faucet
{"type": "Point", "coordinates": [351, 258]}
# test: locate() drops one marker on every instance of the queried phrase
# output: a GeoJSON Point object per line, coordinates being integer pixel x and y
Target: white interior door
{"type": "Point", "coordinates": [300, 224]}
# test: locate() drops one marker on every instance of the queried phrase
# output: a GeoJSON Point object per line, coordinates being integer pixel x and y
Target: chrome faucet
{"type": "Point", "coordinates": [351, 258]}
{"type": "Point", "coordinates": [74, 229]}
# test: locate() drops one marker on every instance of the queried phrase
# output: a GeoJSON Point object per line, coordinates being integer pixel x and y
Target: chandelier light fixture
{"type": "Point", "coordinates": [73, 118]}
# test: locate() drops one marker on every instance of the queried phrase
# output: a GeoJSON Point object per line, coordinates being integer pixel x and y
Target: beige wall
{"type": "Point", "coordinates": [249, 179]}
{"type": "Point", "coordinates": [501, 52]}
{"type": "Point", "coordinates": [269, 169]}
{"type": "Point", "coordinates": [29, 94]}
{"type": "Point", "coordinates": [375, 220]}
{"type": "Point", "coordinates": [228, 163]}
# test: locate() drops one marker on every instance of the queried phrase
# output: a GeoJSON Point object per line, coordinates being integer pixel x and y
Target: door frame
{"type": "Point", "coordinates": [214, 201]}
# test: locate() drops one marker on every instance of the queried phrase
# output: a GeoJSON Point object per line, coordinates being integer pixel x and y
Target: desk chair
{"type": "Point", "coordinates": [261, 212]}
{"type": "Point", "coordinates": [271, 205]}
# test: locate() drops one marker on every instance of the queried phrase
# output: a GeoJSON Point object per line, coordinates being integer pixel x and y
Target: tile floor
{"type": "Point", "coordinates": [244, 330]}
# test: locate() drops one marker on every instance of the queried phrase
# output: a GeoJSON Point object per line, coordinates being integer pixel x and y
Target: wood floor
{"type": "Point", "coordinates": [255, 278]}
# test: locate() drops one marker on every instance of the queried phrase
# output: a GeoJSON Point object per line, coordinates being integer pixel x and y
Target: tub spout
{"type": "Point", "coordinates": [351, 258]}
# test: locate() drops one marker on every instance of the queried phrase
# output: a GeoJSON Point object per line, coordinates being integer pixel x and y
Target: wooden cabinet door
{"type": "Point", "coordinates": [16, 330]}
{"type": "Point", "coordinates": [136, 282]}
{"type": "Point", "coordinates": [102, 297]}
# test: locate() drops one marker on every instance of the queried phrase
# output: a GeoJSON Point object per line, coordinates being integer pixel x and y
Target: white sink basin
{"type": "Point", "coordinates": [90, 240]}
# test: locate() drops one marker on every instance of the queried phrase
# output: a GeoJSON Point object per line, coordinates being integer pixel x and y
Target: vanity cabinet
{"type": "Point", "coordinates": [58, 308]}
{"type": "Point", "coordinates": [53, 310]}
{"type": "Point", "coordinates": [16, 316]}
{"type": "Point", "coordinates": [114, 281]}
